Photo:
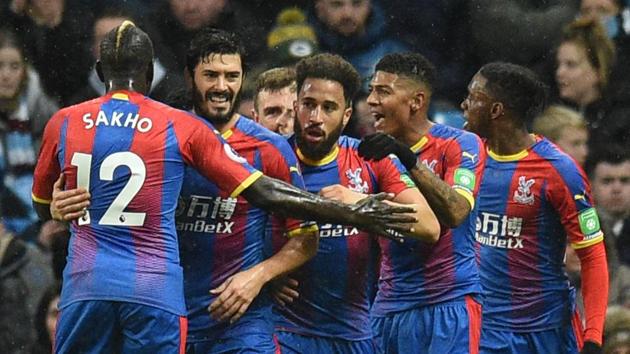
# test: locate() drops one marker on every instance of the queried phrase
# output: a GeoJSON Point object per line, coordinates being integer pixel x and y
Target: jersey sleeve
{"type": "Point", "coordinates": [465, 160]}
{"type": "Point", "coordinates": [570, 194]}
{"type": "Point", "coordinates": [391, 175]}
{"type": "Point", "coordinates": [48, 169]}
{"type": "Point", "coordinates": [281, 163]}
{"type": "Point", "coordinates": [208, 153]}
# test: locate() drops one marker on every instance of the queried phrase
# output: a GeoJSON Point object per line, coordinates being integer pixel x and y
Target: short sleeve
{"type": "Point", "coordinates": [48, 169]}
{"type": "Point", "coordinates": [465, 160]}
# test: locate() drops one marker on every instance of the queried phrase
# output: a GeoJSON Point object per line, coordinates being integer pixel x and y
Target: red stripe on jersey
{"type": "Point", "coordinates": [474, 324]}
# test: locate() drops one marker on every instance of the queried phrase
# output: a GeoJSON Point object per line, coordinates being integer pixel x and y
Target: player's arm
{"type": "Point", "coordinates": [238, 291]}
{"type": "Point", "coordinates": [426, 228]}
{"type": "Point", "coordinates": [570, 195]}
{"type": "Point", "coordinates": [451, 203]}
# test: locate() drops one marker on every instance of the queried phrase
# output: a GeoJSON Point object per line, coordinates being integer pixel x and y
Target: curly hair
{"type": "Point", "coordinates": [210, 40]}
{"type": "Point", "coordinates": [329, 67]}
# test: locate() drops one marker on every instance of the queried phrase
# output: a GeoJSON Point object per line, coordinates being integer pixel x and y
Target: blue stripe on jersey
{"type": "Point", "coordinates": [108, 140]}
{"type": "Point", "coordinates": [61, 149]}
{"type": "Point", "coordinates": [172, 171]}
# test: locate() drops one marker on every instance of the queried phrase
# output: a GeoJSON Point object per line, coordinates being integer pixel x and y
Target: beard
{"type": "Point", "coordinates": [200, 105]}
{"type": "Point", "coordinates": [316, 151]}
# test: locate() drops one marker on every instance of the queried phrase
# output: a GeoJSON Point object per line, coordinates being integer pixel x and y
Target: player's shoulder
{"type": "Point", "coordinates": [258, 133]}
{"type": "Point", "coordinates": [564, 164]}
{"type": "Point", "coordinates": [450, 134]}
{"type": "Point", "coordinates": [348, 142]}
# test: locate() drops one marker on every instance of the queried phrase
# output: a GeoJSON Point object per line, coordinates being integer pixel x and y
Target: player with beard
{"type": "Point", "coordinates": [221, 234]}
{"type": "Point", "coordinates": [427, 300]}
{"type": "Point", "coordinates": [532, 201]}
{"type": "Point", "coordinates": [331, 314]}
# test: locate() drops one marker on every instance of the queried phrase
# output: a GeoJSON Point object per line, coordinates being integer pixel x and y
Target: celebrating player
{"type": "Point", "coordinates": [533, 198]}
{"type": "Point", "coordinates": [331, 314]}
{"type": "Point", "coordinates": [426, 301]}
{"type": "Point", "coordinates": [130, 152]}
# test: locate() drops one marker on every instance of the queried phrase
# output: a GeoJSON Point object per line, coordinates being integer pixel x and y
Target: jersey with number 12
{"type": "Point", "coordinates": [130, 152]}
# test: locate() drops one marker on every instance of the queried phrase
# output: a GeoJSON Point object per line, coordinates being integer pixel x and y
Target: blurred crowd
{"type": "Point", "coordinates": [48, 49]}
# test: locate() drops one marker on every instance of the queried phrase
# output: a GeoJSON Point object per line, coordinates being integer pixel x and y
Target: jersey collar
{"type": "Point", "coordinates": [420, 144]}
{"type": "Point", "coordinates": [324, 161]}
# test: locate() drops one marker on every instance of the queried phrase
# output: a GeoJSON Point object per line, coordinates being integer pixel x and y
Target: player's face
{"type": "Point", "coordinates": [574, 141]}
{"type": "Point", "coordinates": [577, 79]}
{"type": "Point", "coordinates": [611, 187]}
{"type": "Point", "coordinates": [216, 87]}
{"type": "Point", "coordinates": [194, 14]}
{"type": "Point", "coordinates": [275, 110]}
{"type": "Point", "coordinates": [321, 116]}
{"type": "Point", "coordinates": [390, 103]}
{"type": "Point", "coordinates": [12, 72]}
{"type": "Point", "coordinates": [476, 106]}
{"type": "Point", "coordinates": [347, 17]}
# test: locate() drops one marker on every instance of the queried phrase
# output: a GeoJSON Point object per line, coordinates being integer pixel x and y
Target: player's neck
{"type": "Point", "coordinates": [128, 85]}
{"type": "Point", "coordinates": [223, 127]}
{"type": "Point", "coordinates": [510, 141]}
{"type": "Point", "coordinates": [419, 129]}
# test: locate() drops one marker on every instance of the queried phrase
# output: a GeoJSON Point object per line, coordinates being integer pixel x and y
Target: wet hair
{"type": "Point", "coordinates": [517, 88]}
{"type": "Point", "coordinates": [413, 66]}
{"type": "Point", "coordinates": [126, 51]}
{"type": "Point", "coordinates": [600, 50]}
{"type": "Point", "coordinates": [556, 118]}
{"type": "Point", "coordinates": [275, 80]}
{"type": "Point", "coordinates": [329, 67]}
{"type": "Point", "coordinates": [210, 40]}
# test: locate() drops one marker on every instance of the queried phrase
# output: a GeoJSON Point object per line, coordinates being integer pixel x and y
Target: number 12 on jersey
{"type": "Point", "coordinates": [115, 214]}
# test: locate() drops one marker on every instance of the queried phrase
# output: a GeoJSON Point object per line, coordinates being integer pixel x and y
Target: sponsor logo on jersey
{"type": "Point", "coordinates": [330, 230]}
{"type": "Point", "coordinates": [589, 223]}
{"type": "Point", "coordinates": [523, 194]}
{"type": "Point", "coordinates": [212, 214]}
{"type": "Point", "coordinates": [500, 231]}
{"type": "Point", "coordinates": [355, 182]}
{"type": "Point", "coordinates": [472, 157]}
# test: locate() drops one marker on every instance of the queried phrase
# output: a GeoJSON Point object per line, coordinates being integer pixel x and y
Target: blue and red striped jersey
{"type": "Point", "coordinates": [130, 152]}
{"type": "Point", "coordinates": [417, 274]}
{"type": "Point", "coordinates": [336, 286]}
{"type": "Point", "coordinates": [529, 204]}
{"type": "Point", "coordinates": [222, 235]}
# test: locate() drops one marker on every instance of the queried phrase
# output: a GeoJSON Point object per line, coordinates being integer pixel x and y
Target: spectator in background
{"type": "Point", "coordinates": [584, 59]}
{"type": "Point", "coordinates": [165, 78]}
{"type": "Point", "coordinates": [46, 320]}
{"type": "Point", "coordinates": [356, 30]}
{"type": "Point", "coordinates": [15, 327]}
{"type": "Point", "coordinates": [24, 110]}
{"type": "Point", "coordinates": [518, 31]}
{"type": "Point", "coordinates": [617, 331]}
{"type": "Point", "coordinates": [276, 92]}
{"type": "Point", "coordinates": [177, 21]}
{"type": "Point", "coordinates": [566, 128]}
{"type": "Point", "coordinates": [57, 36]}
{"type": "Point", "coordinates": [610, 174]}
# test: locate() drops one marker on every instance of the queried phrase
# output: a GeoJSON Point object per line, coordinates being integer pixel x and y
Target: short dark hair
{"type": "Point", "coordinates": [410, 65]}
{"type": "Point", "coordinates": [329, 67]}
{"type": "Point", "coordinates": [517, 87]}
{"type": "Point", "coordinates": [275, 80]}
{"type": "Point", "coordinates": [613, 154]}
{"type": "Point", "coordinates": [126, 51]}
{"type": "Point", "coordinates": [210, 40]}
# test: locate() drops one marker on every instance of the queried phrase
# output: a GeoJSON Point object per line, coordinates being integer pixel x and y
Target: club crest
{"type": "Point", "coordinates": [523, 195]}
{"type": "Point", "coordinates": [355, 182]}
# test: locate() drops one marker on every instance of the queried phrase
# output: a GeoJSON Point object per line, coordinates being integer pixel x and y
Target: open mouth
{"type": "Point", "coordinates": [379, 120]}
{"type": "Point", "coordinates": [314, 135]}
{"type": "Point", "coordinates": [218, 98]}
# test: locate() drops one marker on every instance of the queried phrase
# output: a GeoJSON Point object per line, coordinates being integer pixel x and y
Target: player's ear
{"type": "Point", "coordinates": [347, 114]}
{"type": "Point", "coordinates": [497, 110]}
{"type": "Point", "coordinates": [99, 71]}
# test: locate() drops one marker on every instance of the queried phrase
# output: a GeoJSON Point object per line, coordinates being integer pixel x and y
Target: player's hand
{"type": "Point", "coordinates": [377, 146]}
{"type": "Point", "coordinates": [591, 348]}
{"type": "Point", "coordinates": [235, 295]}
{"type": "Point", "coordinates": [383, 218]}
{"type": "Point", "coordinates": [340, 193]}
{"type": "Point", "coordinates": [284, 290]}
{"type": "Point", "coordinates": [68, 205]}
